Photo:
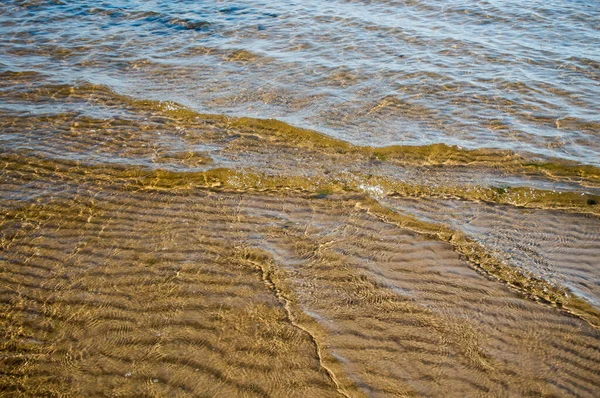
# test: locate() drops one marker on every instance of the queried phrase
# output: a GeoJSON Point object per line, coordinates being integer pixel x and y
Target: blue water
{"type": "Point", "coordinates": [523, 76]}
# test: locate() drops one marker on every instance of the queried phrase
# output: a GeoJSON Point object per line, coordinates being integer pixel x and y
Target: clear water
{"type": "Point", "coordinates": [220, 248]}
{"type": "Point", "coordinates": [484, 74]}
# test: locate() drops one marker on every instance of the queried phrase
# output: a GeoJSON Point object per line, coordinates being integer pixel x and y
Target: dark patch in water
{"type": "Point", "coordinates": [190, 24]}
{"type": "Point", "coordinates": [231, 10]}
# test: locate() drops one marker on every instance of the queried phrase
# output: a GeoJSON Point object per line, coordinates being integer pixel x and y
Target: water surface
{"type": "Point", "coordinates": [299, 199]}
{"type": "Point", "coordinates": [498, 74]}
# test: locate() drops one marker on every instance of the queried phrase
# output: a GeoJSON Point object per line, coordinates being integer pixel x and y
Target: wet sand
{"type": "Point", "coordinates": [299, 199]}
{"type": "Point", "coordinates": [259, 259]}
{"type": "Point", "coordinates": [216, 293]}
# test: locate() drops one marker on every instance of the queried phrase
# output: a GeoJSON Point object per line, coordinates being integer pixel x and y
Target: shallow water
{"type": "Point", "coordinates": [495, 74]}
{"type": "Point", "coordinates": [383, 198]}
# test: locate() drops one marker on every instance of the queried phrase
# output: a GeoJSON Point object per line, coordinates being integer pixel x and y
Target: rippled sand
{"type": "Point", "coordinates": [216, 293]}
{"type": "Point", "coordinates": [244, 257]}
{"type": "Point", "coordinates": [436, 233]}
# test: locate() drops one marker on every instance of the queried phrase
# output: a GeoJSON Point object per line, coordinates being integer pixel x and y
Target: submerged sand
{"type": "Point", "coordinates": [168, 253]}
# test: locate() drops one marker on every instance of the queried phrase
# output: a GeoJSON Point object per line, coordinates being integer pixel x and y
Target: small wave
{"type": "Point", "coordinates": [434, 154]}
